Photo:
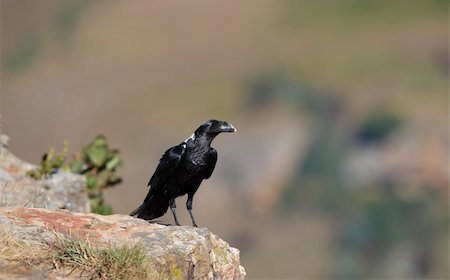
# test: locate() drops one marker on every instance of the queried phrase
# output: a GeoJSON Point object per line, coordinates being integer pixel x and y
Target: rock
{"type": "Point", "coordinates": [195, 253]}
{"type": "Point", "coordinates": [11, 167]}
{"type": "Point", "coordinates": [61, 190]}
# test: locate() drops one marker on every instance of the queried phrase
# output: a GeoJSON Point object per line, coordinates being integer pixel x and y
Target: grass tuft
{"type": "Point", "coordinates": [77, 257]}
{"type": "Point", "coordinates": [15, 250]}
{"type": "Point", "coordinates": [111, 262]}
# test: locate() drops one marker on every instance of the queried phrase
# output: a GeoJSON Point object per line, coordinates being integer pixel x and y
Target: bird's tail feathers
{"type": "Point", "coordinates": [137, 210]}
{"type": "Point", "coordinates": [150, 210]}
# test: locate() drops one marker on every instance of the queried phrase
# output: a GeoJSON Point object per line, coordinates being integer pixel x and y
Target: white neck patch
{"type": "Point", "coordinates": [192, 137]}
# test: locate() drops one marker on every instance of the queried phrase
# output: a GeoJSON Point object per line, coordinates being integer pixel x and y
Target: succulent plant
{"type": "Point", "coordinates": [50, 163]}
{"type": "Point", "coordinates": [96, 161]}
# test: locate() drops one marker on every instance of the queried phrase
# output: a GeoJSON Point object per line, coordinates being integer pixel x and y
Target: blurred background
{"type": "Point", "coordinates": [339, 169]}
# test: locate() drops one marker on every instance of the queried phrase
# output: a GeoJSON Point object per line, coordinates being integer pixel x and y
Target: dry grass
{"type": "Point", "coordinates": [15, 250]}
{"type": "Point", "coordinates": [78, 258]}
{"type": "Point", "coordinates": [123, 262]}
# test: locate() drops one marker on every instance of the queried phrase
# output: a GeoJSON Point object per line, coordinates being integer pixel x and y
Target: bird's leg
{"type": "Point", "coordinates": [189, 208]}
{"type": "Point", "coordinates": [173, 206]}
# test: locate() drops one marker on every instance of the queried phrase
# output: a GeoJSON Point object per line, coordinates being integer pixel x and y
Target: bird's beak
{"type": "Point", "coordinates": [227, 127]}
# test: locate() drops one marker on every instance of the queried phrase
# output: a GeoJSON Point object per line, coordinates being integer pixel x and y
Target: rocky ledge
{"type": "Point", "coordinates": [193, 253]}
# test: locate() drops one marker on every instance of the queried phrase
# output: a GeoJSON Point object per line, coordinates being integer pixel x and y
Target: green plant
{"type": "Point", "coordinates": [99, 164]}
{"type": "Point", "coordinates": [96, 161]}
{"type": "Point", "coordinates": [50, 163]}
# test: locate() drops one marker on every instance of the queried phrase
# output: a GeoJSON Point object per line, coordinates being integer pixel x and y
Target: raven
{"type": "Point", "coordinates": [181, 170]}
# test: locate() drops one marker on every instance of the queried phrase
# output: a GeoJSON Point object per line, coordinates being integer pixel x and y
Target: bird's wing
{"type": "Point", "coordinates": [167, 164]}
{"type": "Point", "coordinates": [211, 163]}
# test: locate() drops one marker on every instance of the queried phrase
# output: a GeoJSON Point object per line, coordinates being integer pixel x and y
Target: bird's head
{"type": "Point", "coordinates": [212, 128]}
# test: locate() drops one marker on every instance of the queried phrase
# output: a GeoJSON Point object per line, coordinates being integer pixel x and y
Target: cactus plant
{"type": "Point", "coordinates": [50, 163]}
{"type": "Point", "coordinates": [96, 161]}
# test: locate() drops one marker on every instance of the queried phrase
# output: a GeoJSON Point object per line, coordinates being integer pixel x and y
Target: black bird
{"type": "Point", "coordinates": [181, 170]}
